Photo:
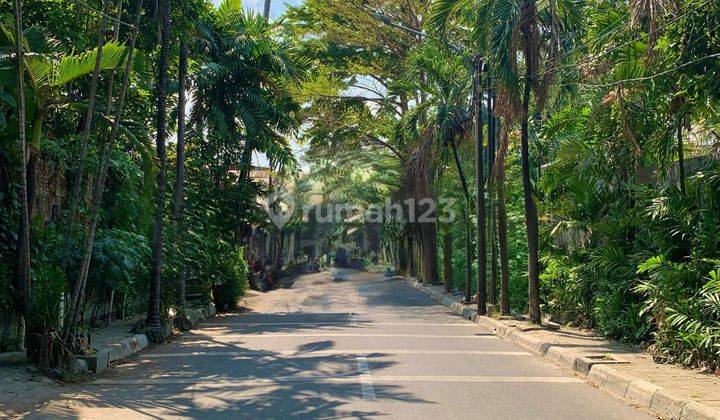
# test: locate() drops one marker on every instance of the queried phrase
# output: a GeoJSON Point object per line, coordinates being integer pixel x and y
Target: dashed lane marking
{"type": "Point", "coordinates": [366, 380]}
{"type": "Point", "coordinates": [211, 382]}
{"type": "Point", "coordinates": [333, 352]}
{"type": "Point", "coordinates": [333, 335]}
{"type": "Point", "coordinates": [352, 320]}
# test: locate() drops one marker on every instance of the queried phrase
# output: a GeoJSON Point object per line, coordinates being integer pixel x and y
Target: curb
{"type": "Point", "coordinates": [640, 392]}
{"type": "Point", "coordinates": [101, 359]}
{"type": "Point", "coordinates": [12, 357]}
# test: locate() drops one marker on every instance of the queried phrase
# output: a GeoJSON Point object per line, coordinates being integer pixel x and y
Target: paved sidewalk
{"type": "Point", "coordinates": [23, 389]}
{"type": "Point", "coordinates": [671, 391]}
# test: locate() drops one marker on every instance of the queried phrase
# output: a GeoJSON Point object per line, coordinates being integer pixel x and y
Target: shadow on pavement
{"type": "Point", "coordinates": [242, 382]}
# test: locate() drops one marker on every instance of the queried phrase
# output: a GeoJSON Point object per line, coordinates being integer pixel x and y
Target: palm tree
{"type": "Point", "coordinates": [441, 119]}
{"type": "Point", "coordinates": [153, 314]}
{"type": "Point", "coordinates": [24, 245]}
{"type": "Point", "coordinates": [180, 163]}
{"type": "Point", "coordinates": [236, 104]}
{"type": "Point", "coordinates": [498, 180]}
{"type": "Point", "coordinates": [49, 69]}
{"type": "Point", "coordinates": [506, 27]}
{"type": "Point", "coordinates": [530, 47]}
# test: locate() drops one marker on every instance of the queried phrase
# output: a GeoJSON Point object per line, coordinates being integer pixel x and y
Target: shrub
{"type": "Point", "coordinates": [233, 280]}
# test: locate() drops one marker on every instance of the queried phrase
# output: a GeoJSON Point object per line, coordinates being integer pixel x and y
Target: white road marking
{"type": "Point", "coordinates": [366, 380]}
{"type": "Point", "coordinates": [351, 318]}
{"type": "Point", "coordinates": [390, 352]}
{"type": "Point", "coordinates": [211, 382]}
{"type": "Point", "coordinates": [331, 335]}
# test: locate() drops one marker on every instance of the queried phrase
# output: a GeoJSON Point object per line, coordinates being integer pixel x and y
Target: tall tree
{"type": "Point", "coordinates": [24, 237]}
{"type": "Point", "coordinates": [498, 180]}
{"type": "Point", "coordinates": [180, 164]}
{"type": "Point", "coordinates": [447, 259]}
{"type": "Point", "coordinates": [87, 124]}
{"type": "Point", "coordinates": [529, 31]}
{"type": "Point", "coordinates": [480, 190]}
{"type": "Point", "coordinates": [266, 9]}
{"type": "Point", "coordinates": [99, 187]}
{"type": "Point", "coordinates": [153, 314]}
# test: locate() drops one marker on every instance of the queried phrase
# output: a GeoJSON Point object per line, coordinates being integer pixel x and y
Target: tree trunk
{"type": "Point", "coordinates": [32, 160]}
{"type": "Point", "coordinates": [480, 191]}
{"type": "Point", "coordinates": [266, 9]}
{"type": "Point", "coordinates": [153, 313]}
{"type": "Point", "coordinates": [529, 33]}
{"type": "Point", "coordinates": [180, 167]}
{"type": "Point", "coordinates": [502, 243]}
{"type": "Point", "coordinates": [428, 232]}
{"type": "Point", "coordinates": [491, 148]}
{"type": "Point", "coordinates": [531, 218]}
{"type": "Point", "coordinates": [99, 186]}
{"type": "Point", "coordinates": [87, 124]}
{"type": "Point", "coordinates": [411, 255]}
{"type": "Point", "coordinates": [468, 253]}
{"type": "Point", "coordinates": [681, 157]}
{"type": "Point", "coordinates": [402, 256]}
{"type": "Point", "coordinates": [24, 234]}
{"type": "Point", "coordinates": [447, 259]}
{"type": "Point", "coordinates": [280, 250]}
{"type": "Point", "coordinates": [116, 37]}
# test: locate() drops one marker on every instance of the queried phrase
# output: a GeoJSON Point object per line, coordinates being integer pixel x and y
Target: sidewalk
{"type": "Point", "coordinates": [671, 391]}
{"type": "Point", "coordinates": [22, 389]}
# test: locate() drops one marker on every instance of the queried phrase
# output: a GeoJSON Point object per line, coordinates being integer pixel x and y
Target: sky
{"type": "Point", "coordinates": [277, 7]}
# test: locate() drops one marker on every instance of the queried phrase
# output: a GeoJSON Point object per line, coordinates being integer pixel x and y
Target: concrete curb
{"type": "Point", "coordinates": [12, 358]}
{"type": "Point", "coordinates": [101, 359]}
{"type": "Point", "coordinates": [640, 392]}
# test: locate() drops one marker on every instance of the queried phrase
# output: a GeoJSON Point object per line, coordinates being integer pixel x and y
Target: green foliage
{"type": "Point", "coordinates": [232, 281]}
{"type": "Point", "coordinates": [47, 291]}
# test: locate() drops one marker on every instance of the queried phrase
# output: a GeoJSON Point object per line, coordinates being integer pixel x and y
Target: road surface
{"type": "Point", "coordinates": [364, 346]}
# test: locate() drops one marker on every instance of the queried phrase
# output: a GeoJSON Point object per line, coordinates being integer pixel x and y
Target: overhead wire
{"type": "Point", "coordinates": [101, 13]}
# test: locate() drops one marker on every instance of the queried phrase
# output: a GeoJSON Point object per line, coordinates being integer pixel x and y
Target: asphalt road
{"type": "Point", "coordinates": [361, 347]}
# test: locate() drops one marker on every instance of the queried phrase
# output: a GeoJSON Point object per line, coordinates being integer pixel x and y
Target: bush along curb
{"type": "Point", "coordinates": [638, 391]}
{"type": "Point", "coordinates": [121, 350]}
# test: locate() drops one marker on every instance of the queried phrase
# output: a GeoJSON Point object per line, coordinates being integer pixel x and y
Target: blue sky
{"type": "Point", "coordinates": [277, 7]}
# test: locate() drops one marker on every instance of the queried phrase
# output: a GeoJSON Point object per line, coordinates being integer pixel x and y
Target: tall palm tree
{"type": "Point", "coordinates": [180, 162]}
{"type": "Point", "coordinates": [153, 313]}
{"type": "Point", "coordinates": [242, 104]}
{"type": "Point", "coordinates": [530, 35]}
{"type": "Point", "coordinates": [505, 27]}
{"type": "Point", "coordinates": [266, 9]}
{"type": "Point", "coordinates": [437, 122]}
{"type": "Point", "coordinates": [24, 245]}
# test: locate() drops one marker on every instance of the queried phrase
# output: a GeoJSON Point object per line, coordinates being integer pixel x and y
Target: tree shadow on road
{"type": "Point", "coordinates": [232, 380]}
